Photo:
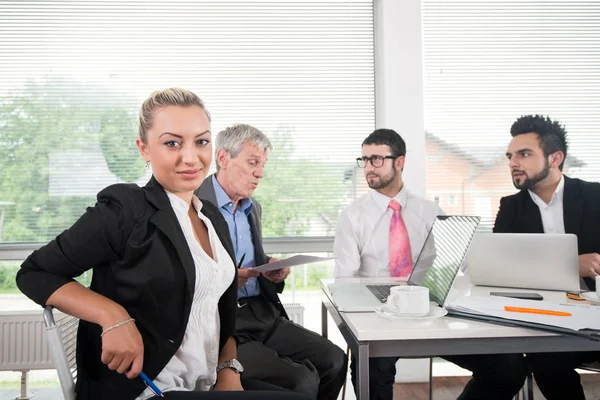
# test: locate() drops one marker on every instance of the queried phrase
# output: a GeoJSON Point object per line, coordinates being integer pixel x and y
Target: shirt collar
{"type": "Point", "coordinates": [556, 197]}
{"type": "Point", "coordinates": [223, 200]}
{"type": "Point", "coordinates": [180, 205]}
{"type": "Point", "coordinates": [382, 201]}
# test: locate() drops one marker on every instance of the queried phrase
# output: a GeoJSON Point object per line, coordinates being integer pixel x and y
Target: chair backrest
{"type": "Point", "coordinates": [62, 340]}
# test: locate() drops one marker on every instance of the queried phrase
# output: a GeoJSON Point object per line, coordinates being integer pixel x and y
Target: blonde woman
{"type": "Point", "coordinates": [162, 300]}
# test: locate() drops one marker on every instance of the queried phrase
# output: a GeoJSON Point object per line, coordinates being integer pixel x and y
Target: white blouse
{"type": "Point", "coordinates": [195, 362]}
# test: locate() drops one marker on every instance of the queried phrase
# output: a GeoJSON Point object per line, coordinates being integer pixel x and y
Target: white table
{"type": "Point", "coordinates": [370, 335]}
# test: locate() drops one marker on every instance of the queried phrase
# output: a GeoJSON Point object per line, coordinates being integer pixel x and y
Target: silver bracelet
{"type": "Point", "coordinates": [110, 328]}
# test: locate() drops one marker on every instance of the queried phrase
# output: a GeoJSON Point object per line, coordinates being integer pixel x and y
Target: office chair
{"type": "Point", "coordinates": [527, 391]}
{"type": "Point", "coordinates": [62, 340]}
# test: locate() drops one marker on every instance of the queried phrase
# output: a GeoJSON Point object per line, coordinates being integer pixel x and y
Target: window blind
{"type": "Point", "coordinates": [73, 74]}
{"type": "Point", "coordinates": [486, 63]}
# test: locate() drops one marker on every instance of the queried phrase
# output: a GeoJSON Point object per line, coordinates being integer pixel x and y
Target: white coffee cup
{"type": "Point", "coordinates": [598, 286]}
{"type": "Point", "coordinates": [409, 300]}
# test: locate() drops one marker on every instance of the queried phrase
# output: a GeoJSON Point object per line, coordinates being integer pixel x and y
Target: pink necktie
{"type": "Point", "coordinates": [400, 257]}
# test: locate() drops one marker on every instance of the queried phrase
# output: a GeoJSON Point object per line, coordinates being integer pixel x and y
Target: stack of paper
{"type": "Point", "coordinates": [293, 261]}
{"type": "Point", "coordinates": [569, 316]}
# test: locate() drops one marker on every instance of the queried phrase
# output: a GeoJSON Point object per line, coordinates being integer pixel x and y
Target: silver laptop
{"type": "Point", "coordinates": [540, 261]}
{"type": "Point", "coordinates": [436, 267]}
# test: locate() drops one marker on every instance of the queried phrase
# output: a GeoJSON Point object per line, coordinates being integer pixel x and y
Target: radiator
{"type": "Point", "coordinates": [295, 311]}
{"type": "Point", "coordinates": [23, 343]}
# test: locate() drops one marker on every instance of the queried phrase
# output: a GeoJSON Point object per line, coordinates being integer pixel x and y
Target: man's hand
{"type": "Point", "coordinates": [589, 265]}
{"type": "Point", "coordinates": [228, 380]}
{"type": "Point", "coordinates": [244, 274]}
{"type": "Point", "coordinates": [277, 275]}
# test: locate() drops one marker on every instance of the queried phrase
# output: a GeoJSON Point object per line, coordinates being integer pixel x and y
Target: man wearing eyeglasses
{"type": "Point", "coordinates": [363, 232]}
{"type": "Point", "coordinates": [380, 235]}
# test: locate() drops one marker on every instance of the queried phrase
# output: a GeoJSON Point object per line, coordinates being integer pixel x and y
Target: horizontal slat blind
{"type": "Point", "coordinates": [487, 63]}
{"type": "Point", "coordinates": [73, 74]}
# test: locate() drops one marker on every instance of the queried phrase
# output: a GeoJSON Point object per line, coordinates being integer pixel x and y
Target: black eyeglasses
{"type": "Point", "coordinates": [376, 161]}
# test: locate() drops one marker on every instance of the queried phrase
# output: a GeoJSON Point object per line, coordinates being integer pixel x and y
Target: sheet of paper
{"type": "Point", "coordinates": [290, 262]}
{"type": "Point", "coordinates": [584, 316]}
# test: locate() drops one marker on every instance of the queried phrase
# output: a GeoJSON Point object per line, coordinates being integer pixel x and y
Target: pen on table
{"type": "Point", "coordinates": [537, 311]}
{"type": "Point", "coordinates": [151, 385]}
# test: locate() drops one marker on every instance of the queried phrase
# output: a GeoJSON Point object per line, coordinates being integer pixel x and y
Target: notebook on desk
{"type": "Point", "coordinates": [571, 318]}
{"type": "Point", "coordinates": [436, 267]}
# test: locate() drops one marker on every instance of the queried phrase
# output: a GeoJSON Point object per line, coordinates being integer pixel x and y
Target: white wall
{"type": "Point", "coordinates": [399, 106]}
{"type": "Point", "coordinates": [399, 81]}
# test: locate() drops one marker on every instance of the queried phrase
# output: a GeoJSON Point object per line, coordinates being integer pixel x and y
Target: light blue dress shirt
{"type": "Point", "coordinates": [238, 222]}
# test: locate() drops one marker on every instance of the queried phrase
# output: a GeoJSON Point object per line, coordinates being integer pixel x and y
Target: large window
{"type": "Point", "coordinates": [487, 63]}
{"type": "Point", "coordinates": [73, 74]}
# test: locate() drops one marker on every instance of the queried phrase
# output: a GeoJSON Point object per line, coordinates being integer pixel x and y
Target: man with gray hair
{"type": "Point", "coordinates": [272, 348]}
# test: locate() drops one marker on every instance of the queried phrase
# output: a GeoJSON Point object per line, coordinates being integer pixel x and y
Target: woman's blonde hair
{"type": "Point", "coordinates": [164, 98]}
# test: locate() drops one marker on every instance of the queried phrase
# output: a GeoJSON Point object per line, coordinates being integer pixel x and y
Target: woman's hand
{"type": "Point", "coordinates": [228, 380]}
{"type": "Point", "coordinates": [123, 349]}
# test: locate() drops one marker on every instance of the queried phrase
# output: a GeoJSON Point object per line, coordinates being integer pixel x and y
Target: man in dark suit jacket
{"type": "Point", "coordinates": [550, 202]}
{"type": "Point", "coordinates": [272, 348]}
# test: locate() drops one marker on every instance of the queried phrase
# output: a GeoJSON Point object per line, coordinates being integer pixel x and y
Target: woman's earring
{"type": "Point", "coordinates": [147, 165]}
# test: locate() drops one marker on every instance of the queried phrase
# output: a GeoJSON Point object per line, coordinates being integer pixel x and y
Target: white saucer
{"type": "Point", "coordinates": [389, 313]}
{"type": "Point", "coordinates": [590, 296]}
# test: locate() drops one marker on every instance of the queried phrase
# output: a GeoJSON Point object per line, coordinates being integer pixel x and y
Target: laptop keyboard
{"type": "Point", "coordinates": [380, 291]}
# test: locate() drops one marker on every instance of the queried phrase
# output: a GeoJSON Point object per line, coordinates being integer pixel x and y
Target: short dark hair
{"type": "Point", "coordinates": [388, 137]}
{"type": "Point", "coordinates": [551, 134]}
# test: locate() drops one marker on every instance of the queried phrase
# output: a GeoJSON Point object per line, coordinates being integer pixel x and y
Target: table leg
{"type": "Point", "coordinates": [430, 378]}
{"type": "Point", "coordinates": [323, 320]}
{"type": "Point", "coordinates": [363, 371]}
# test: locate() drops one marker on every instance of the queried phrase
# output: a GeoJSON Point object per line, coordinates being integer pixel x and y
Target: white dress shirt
{"type": "Point", "coordinates": [553, 218]}
{"type": "Point", "coordinates": [361, 244]}
{"type": "Point", "coordinates": [194, 365]}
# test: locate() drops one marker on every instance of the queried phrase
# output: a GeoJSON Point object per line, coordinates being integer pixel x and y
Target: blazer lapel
{"type": "Point", "coordinates": [206, 191]}
{"type": "Point", "coordinates": [211, 212]}
{"type": "Point", "coordinates": [530, 212]}
{"type": "Point", "coordinates": [259, 255]}
{"type": "Point", "coordinates": [572, 207]}
{"type": "Point", "coordinates": [254, 224]}
{"type": "Point", "coordinates": [166, 221]}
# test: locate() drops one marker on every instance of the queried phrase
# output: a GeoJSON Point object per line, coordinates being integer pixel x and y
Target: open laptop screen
{"type": "Point", "coordinates": [443, 254]}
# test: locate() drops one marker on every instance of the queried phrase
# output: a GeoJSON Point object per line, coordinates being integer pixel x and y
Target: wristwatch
{"type": "Point", "coordinates": [234, 364]}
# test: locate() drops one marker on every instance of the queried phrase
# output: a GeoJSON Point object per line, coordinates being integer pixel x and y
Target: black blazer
{"type": "Point", "coordinates": [269, 289]}
{"type": "Point", "coordinates": [141, 260]}
{"type": "Point", "coordinates": [581, 210]}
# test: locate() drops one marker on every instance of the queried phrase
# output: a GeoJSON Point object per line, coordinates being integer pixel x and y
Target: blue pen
{"type": "Point", "coordinates": [151, 385]}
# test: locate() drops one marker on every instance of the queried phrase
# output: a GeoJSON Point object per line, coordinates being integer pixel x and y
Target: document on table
{"type": "Point", "coordinates": [290, 262]}
{"type": "Point", "coordinates": [582, 316]}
